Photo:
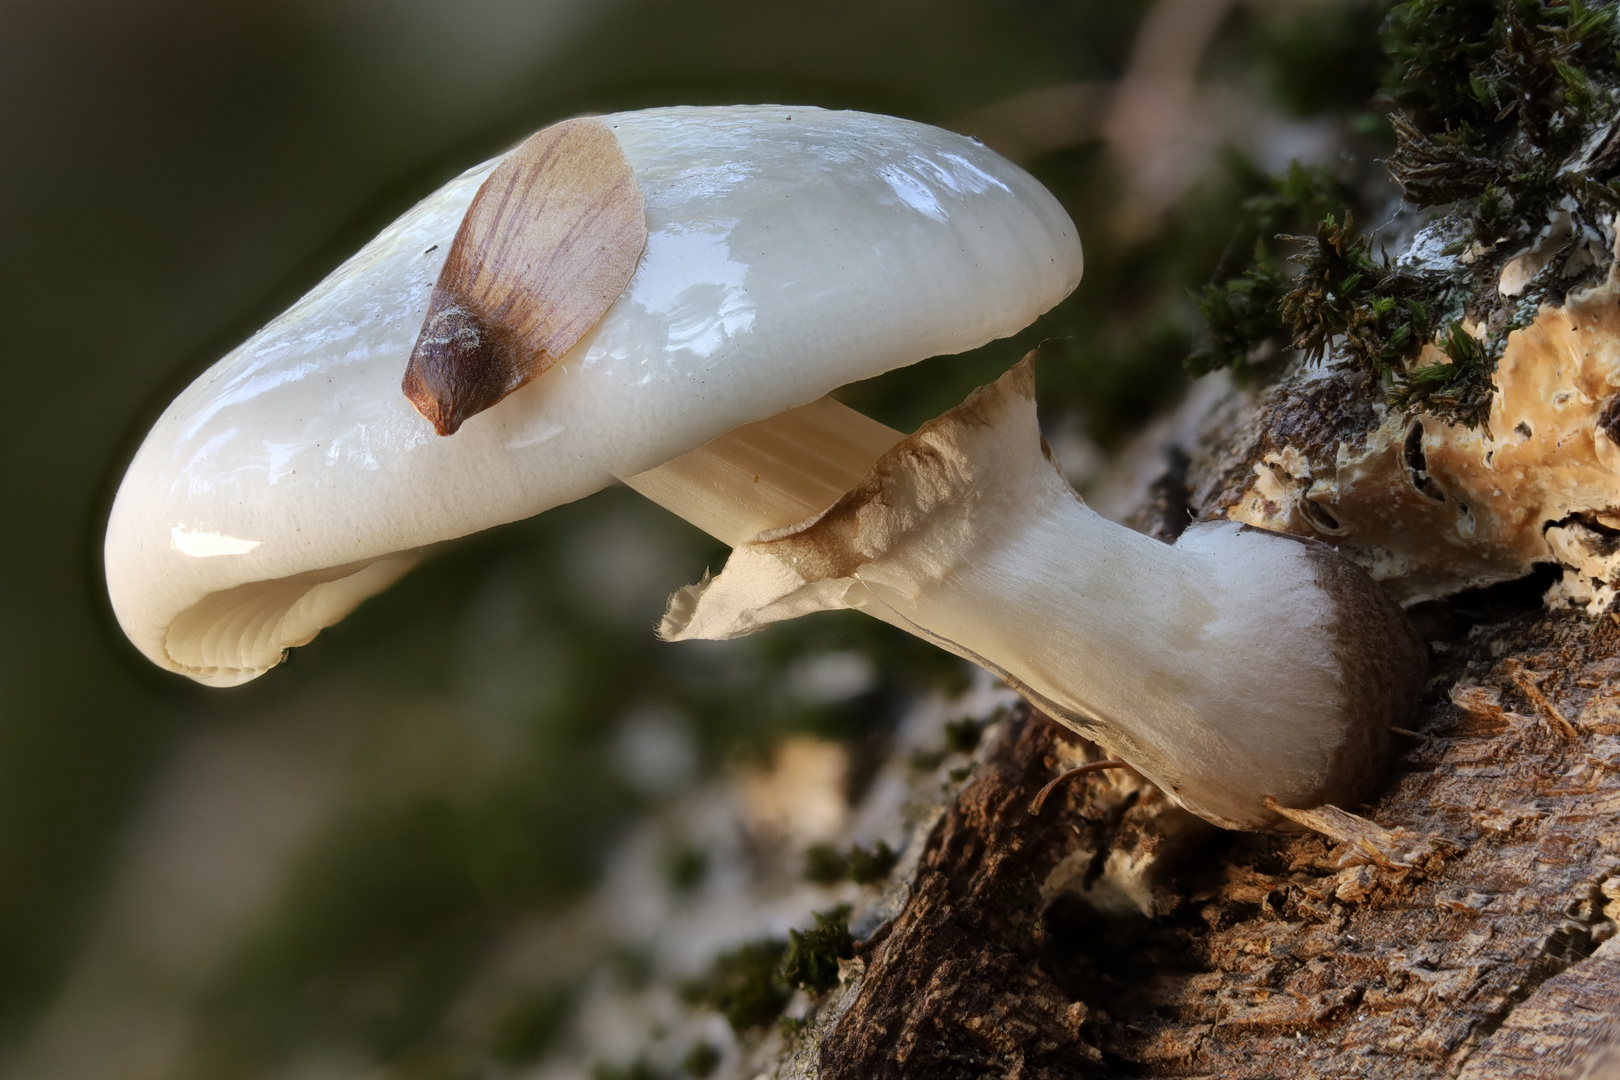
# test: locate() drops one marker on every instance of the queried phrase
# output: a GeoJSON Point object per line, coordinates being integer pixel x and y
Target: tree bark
{"type": "Point", "coordinates": [1116, 935]}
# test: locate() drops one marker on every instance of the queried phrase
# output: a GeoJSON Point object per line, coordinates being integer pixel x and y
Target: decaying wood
{"type": "Point", "coordinates": [1569, 1029]}
{"type": "Point", "coordinates": [956, 984]}
{"type": "Point", "coordinates": [1462, 924]}
{"type": "Point", "coordinates": [1112, 936]}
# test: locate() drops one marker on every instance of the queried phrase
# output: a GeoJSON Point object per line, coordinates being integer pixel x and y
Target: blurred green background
{"type": "Point", "coordinates": [209, 883]}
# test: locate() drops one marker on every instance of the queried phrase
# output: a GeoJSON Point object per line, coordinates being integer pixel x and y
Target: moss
{"type": "Point", "coordinates": [1460, 389]}
{"type": "Point", "coordinates": [867, 866]}
{"type": "Point", "coordinates": [962, 736]}
{"type": "Point", "coordinates": [529, 1026]}
{"type": "Point", "coordinates": [685, 868]}
{"type": "Point", "coordinates": [824, 864]}
{"type": "Point", "coordinates": [639, 1069]}
{"type": "Point", "coordinates": [1488, 63]}
{"type": "Point", "coordinates": [380, 927]}
{"type": "Point", "coordinates": [1441, 168]}
{"type": "Point", "coordinates": [743, 985]}
{"type": "Point", "coordinates": [1498, 94]}
{"type": "Point", "coordinates": [1377, 318]}
{"type": "Point", "coordinates": [1494, 100]}
{"type": "Point", "coordinates": [1323, 57]}
{"type": "Point", "coordinates": [1434, 46]}
{"type": "Point", "coordinates": [1242, 314]}
{"type": "Point", "coordinates": [631, 966]}
{"type": "Point", "coordinates": [751, 984]}
{"type": "Point", "coordinates": [812, 956]}
{"type": "Point", "coordinates": [1494, 215]}
{"type": "Point", "coordinates": [1241, 305]}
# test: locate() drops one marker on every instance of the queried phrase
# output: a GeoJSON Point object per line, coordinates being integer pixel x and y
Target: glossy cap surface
{"type": "Point", "coordinates": [790, 251]}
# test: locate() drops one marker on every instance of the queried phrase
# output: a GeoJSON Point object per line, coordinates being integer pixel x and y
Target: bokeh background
{"type": "Point", "coordinates": [372, 861]}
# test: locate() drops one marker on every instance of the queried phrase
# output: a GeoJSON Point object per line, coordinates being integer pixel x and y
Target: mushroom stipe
{"type": "Point", "coordinates": [1234, 666]}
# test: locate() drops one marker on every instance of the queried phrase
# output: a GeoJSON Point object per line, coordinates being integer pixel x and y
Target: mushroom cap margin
{"type": "Point", "coordinates": [791, 250]}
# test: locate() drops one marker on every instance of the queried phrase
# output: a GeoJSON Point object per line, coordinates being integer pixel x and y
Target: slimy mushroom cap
{"type": "Point", "coordinates": [789, 251]}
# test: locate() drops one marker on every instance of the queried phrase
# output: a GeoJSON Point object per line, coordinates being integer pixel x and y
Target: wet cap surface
{"type": "Point", "coordinates": [785, 258]}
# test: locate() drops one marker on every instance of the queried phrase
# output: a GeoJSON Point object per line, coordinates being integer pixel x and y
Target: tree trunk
{"type": "Point", "coordinates": [1459, 438]}
{"type": "Point", "coordinates": [1116, 935]}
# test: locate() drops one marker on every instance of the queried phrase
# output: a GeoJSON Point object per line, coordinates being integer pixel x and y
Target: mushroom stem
{"type": "Point", "coordinates": [1233, 666]}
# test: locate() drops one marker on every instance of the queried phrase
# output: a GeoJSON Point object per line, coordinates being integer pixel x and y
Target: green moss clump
{"type": "Point", "coordinates": [685, 868]}
{"type": "Point", "coordinates": [701, 1060]}
{"type": "Point", "coordinates": [1445, 167]}
{"type": "Point", "coordinates": [1377, 316]}
{"type": "Point", "coordinates": [1496, 103]}
{"type": "Point", "coordinates": [1531, 64]}
{"type": "Point", "coordinates": [751, 984]}
{"type": "Point", "coordinates": [1461, 388]}
{"type": "Point", "coordinates": [866, 866]}
{"type": "Point", "coordinates": [529, 1026]}
{"type": "Point", "coordinates": [824, 864]}
{"type": "Point", "coordinates": [744, 985]}
{"type": "Point", "coordinates": [1435, 46]}
{"type": "Point", "coordinates": [1242, 313]}
{"type": "Point", "coordinates": [640, 1069]}
{"type": "Point", "coordinates": [962, 736]}
{"type": "Point", "coordinates": [1242, 304]}
{"type": "Point", "coordinates": [812, 955]}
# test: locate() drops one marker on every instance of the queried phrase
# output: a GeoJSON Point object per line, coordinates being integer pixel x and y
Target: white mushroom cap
{"type": "Point", "coordinates": [790, 251]}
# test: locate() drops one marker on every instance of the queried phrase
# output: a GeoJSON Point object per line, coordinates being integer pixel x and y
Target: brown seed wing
{"type": "Point", "coordinates": [550, 241]}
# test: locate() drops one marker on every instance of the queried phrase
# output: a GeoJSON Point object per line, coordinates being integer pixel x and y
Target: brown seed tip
{"type": "Point", "coordinates": [461, 365]}
{"type": "Point", "coordinates": [549, 242]}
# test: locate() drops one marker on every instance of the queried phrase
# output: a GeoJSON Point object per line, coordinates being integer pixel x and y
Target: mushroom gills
{"type": "Point", "coordinates": [221, 640]}
{"type": "Point", "coordinates": [769, 474]}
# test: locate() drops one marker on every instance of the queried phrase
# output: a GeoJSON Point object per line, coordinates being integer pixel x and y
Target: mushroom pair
{"type": "Point", "coordinates": [787, 251]}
